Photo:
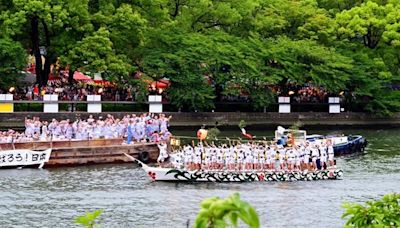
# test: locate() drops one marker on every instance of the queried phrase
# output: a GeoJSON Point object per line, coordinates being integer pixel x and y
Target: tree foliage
{"type": "Point", "coordinates": [12, 59]}
{"type": "Point", "coordinates": [213, 48]}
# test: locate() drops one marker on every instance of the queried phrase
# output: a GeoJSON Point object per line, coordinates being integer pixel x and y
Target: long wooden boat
{"type": "Point", "coordinates": [86, 152]}
{"type": "Point", "coordinates": [173, 174]}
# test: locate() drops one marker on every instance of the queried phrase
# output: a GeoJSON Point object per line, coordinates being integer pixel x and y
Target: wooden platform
{"type": "Point", "coordinates": [98, 151]}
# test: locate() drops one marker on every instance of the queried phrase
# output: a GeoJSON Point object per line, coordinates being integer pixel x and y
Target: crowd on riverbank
{"type": "Point", "coordinates": [73, 92]}
{"type": "Point", "coordinates": [254, 156]}
{"type": "Point", "coordinates": [135, 128]}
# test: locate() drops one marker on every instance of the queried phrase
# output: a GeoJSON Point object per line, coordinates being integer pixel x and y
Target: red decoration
{"type": "Point", "coordinates": [152, 175]}
{"type": "Point", "coordinates": [248, 136]}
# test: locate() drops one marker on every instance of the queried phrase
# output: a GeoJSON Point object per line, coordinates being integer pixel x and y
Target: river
{"type": "Point", "coordinates": [53, 197]}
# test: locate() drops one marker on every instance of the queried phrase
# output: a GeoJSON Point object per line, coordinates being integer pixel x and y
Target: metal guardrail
{"type": "Point", "coordinates": [75, 102]}
{"type": "Point", "coordinates": [141, 102]}
{"type": "Point", "coordinates": [219, 106]}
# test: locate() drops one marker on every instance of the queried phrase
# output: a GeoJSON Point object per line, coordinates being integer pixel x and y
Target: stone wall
{"type": "Point", "coordinates": [13, 120]}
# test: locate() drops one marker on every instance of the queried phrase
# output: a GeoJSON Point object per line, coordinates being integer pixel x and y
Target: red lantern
{"type": "Point", "coordinates": [202, 134]}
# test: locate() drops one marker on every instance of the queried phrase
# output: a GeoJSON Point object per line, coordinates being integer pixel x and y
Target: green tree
{"type": "Point", "coordinates": [95, 53]}
{"type": "Point", "coordinates": [45, 27]}
{"type": "Point", "coordinates": [12, 59]}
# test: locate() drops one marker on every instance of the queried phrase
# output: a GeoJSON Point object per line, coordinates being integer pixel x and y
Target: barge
{"type": "Point", "coordinates": [86, 152]}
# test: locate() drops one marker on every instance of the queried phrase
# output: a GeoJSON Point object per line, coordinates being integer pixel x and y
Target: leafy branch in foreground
{"type": "Point", "coordinates": [87, 220]}
{"type": "Point", "coordinates": [375, 213]}
{"type": "Point", "coordinates": [217, 212]}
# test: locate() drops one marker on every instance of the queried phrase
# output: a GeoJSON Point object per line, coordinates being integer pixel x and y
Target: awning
{"type": "Point", "coordinates": [79, 76]}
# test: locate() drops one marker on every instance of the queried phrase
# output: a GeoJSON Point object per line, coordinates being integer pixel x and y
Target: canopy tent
{"type": "Point", "coordinates": [160, 84]}
{"type": "Point", "coordinates": [79, 76]}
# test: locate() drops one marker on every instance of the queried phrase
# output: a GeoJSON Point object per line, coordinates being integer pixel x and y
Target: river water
{"type": "Point", "coordinates": [53, 197]}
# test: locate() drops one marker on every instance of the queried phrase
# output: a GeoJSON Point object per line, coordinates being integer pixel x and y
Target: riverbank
{"type": "Point", "coordinates": [253, 119]}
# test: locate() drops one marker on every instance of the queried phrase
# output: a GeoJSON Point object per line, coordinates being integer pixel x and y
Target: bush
{"type": "Point", "coordinates": [87, 220]}
{"type": "Point", "coordinates": [217, 212]}
{"type": "Point", "coordinates": [375, 213]}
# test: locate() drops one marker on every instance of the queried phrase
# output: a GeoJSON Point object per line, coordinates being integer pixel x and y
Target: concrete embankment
{"type": "Point", "coordinates": [195, 119]}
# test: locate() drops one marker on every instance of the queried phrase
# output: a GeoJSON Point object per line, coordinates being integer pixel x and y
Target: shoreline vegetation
{"type": "Point", "coordinates": [211, 51]}
{"type": "Point", "coordinates": [216, 212]}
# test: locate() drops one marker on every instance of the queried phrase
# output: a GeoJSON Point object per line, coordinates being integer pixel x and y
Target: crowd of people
{"type": "Point", "coordinates": [133, 128]}
{"type": "Point", "coordinates": [299, 94]}
{"type": "Point", "coordinates": [305, 94]}
{"type": "Point", "coordinates": [254, 156]}
{"type": "Point", "coordinates": [73, 92]}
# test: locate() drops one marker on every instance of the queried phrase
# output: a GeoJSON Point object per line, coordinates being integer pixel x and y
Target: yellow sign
{"type": "Point", "coordinates": [6, 107]}
{"type": "Point", "coordinates": [175, 142]}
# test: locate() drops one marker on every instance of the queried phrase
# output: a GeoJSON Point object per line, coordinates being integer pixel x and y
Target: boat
{"type": "Point", "coordinates": [86, 152]}
{"type": "Point", "coordinates": [24, 158]}
{"type": "Point", "coordinates": [174, 174]}
{"type": "Point", "coordinates": [342, 145]}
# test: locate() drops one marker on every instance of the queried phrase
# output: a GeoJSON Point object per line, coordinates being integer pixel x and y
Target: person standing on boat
{"type": "Point", "coordinates": [331, 154]}
{"type": "Point", "coordinates": [57, 132]}
{"type": "Point", "coordinates": [44, 135]}
{"type": "Point", "coordinates": [162, 146]}
{"type": "Point", "coordinates": [301, 153]}
{"type": "Point", "coordinates": [69, 131]}
{"type": "Point", "coordinates": [323, 156]}
{"type": "Point", "coordinates": [141, 130]}
{"type": "Point", "coordinates": [307, 156]}
{"type": "Point", "coordinates": [108, 131]}
{"type": "Point", "coordinates": [129, 132]}
{"type": "Point", "coordinates": [52, 126]}
{"type": "Point", "coordinates": [90, 119]}
{"type": "Point", "coordinates": [271, 157]}
{"type": "Point", "coordinates": [291, 159]}
{"type": "Point", "coordinates": [36, 127]}
{"type": "Point", "coordinates": [164, 122]}
{"type": "Point", "coordinates": [220, 157]}
{"type": "Point", "coordinates": [298, 159]}
{"type": "Point", "coordinates": [315, 156]}
{"type": "Point", "coordinates": [282, 156]}
{"type": "Point", "coordinates": [122, 129]}
{"type": "Point", "coordinates": [198, 150]}
{"type": "Point", "coordinates": [188, 157]}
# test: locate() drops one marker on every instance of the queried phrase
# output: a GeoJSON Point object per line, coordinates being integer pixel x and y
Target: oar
{"type": "Point", "coordinates": [136, 160]}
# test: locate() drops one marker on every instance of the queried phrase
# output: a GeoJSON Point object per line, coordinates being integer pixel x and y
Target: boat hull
{"type": "Point", "coordinates": [164, 174]}
{"type": "Point", "coordinates": [173, 174]}
{"type": "Point", "coordinates": [355, 145]}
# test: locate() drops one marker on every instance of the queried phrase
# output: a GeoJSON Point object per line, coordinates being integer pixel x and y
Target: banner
{"type": "Point", "coordinates": [23, 157]}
